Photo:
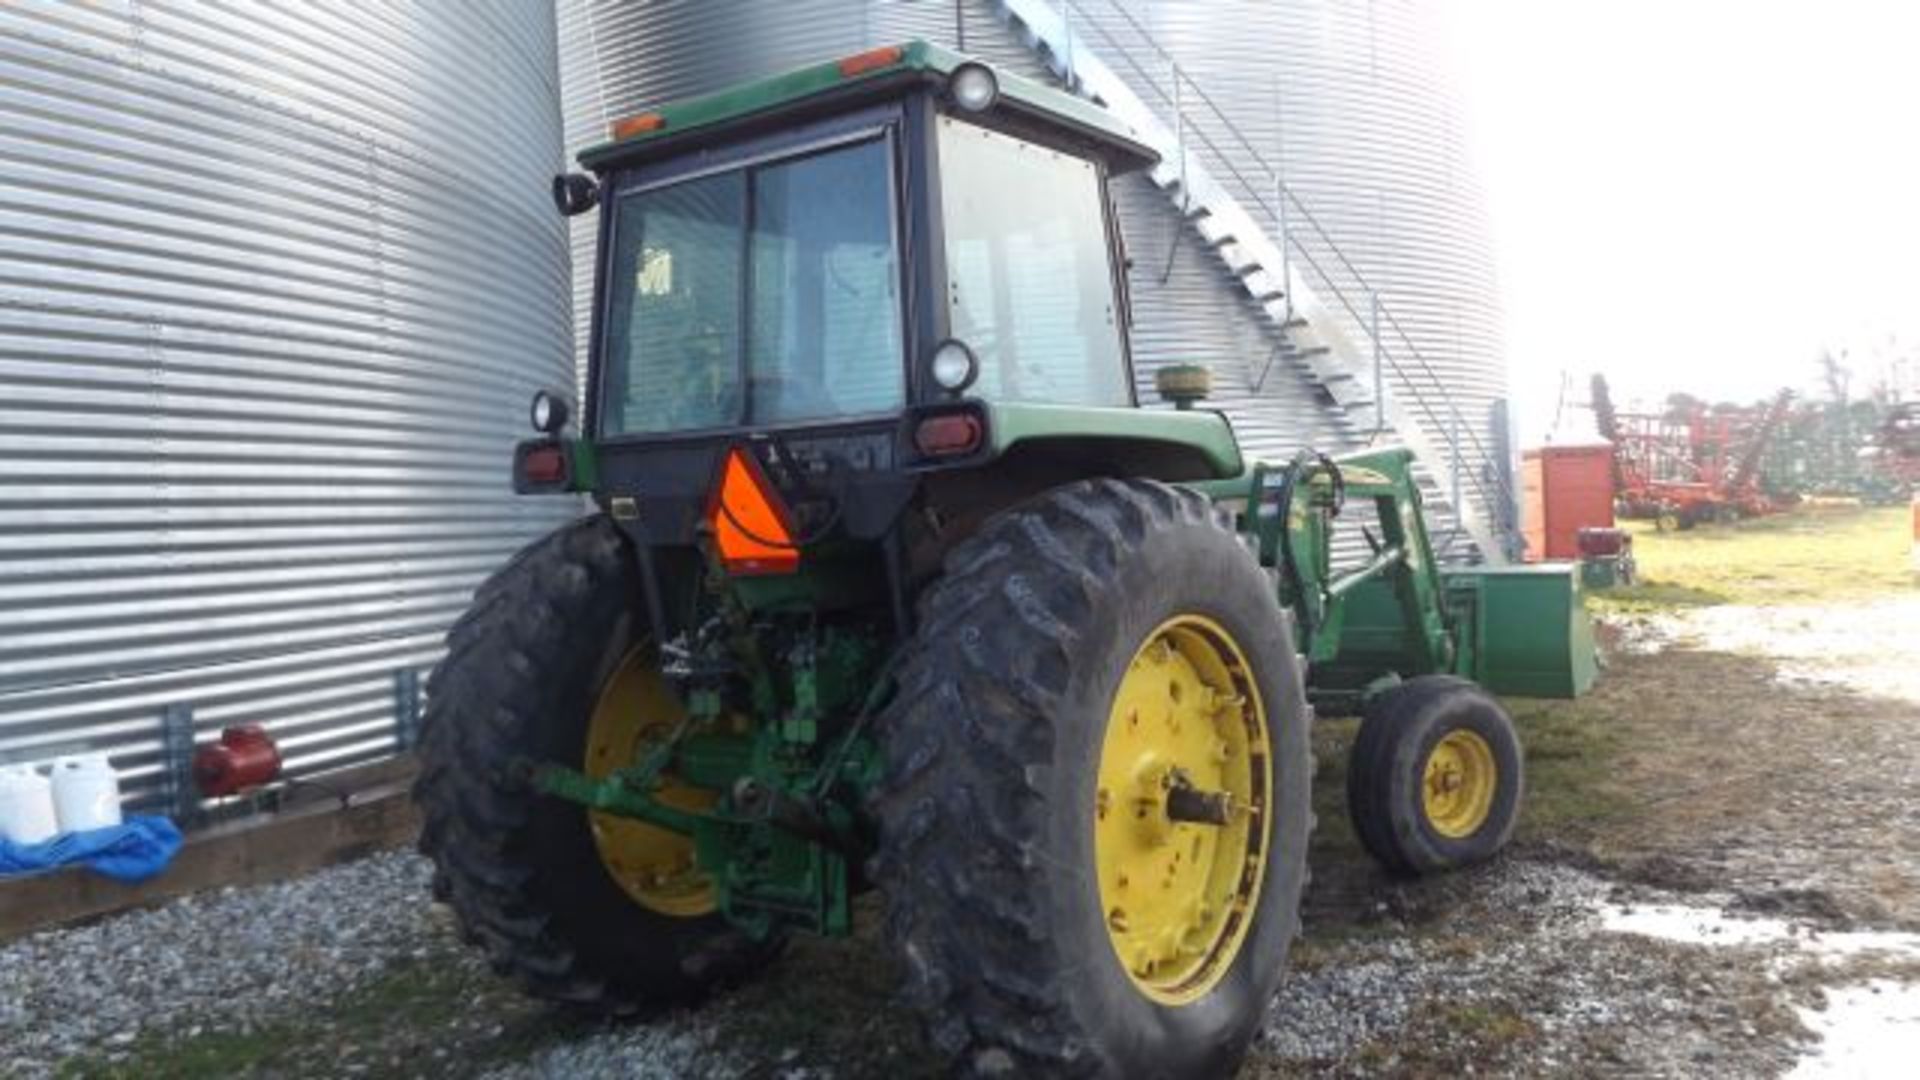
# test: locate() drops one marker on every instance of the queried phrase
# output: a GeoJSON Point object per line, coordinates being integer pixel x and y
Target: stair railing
{"type": "Point", "coordinates": [1359, 298]}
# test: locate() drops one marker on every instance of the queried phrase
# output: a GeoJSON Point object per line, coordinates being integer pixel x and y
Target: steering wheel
{"type": "Point", "coordinates": [785, 397]}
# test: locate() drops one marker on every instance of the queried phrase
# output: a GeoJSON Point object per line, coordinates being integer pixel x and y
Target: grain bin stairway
{"type": "Point", "coordinates": [1350, 343]}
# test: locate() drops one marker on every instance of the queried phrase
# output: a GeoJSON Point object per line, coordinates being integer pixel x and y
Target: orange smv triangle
{"type": "Point", "coordinates": [749, 521]}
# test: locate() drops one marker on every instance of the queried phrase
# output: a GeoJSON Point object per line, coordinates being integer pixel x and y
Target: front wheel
{"type": "Point", "coordinates": [1435, 779]}
{"type": "Point", "coordinates": [1095, 806]}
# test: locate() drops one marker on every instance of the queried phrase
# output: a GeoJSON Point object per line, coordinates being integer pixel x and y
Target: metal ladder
{"type": "Point", "coordinates": [1352, 356]}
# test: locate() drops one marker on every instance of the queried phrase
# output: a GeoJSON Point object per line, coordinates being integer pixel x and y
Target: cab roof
{"type": "Point", "coordinates": [864, 76]}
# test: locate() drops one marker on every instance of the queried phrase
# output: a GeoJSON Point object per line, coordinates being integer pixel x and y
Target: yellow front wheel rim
{"type": "Point", "coordinates": [1459, 784]}
{"type": "Point", "coordinates": [1178, 896]}
{"type": "Point", "coordinates": [654, 866]}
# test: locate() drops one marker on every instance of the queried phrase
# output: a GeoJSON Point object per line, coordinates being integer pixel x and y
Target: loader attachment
{"type": "Point", "coordinates": [1523, 629]}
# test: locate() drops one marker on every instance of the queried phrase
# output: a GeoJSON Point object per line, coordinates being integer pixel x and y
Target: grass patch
{"type": "Point", "coordinates": [415, 1019]}
{"type": "Point", "coordinates": [1573, 751]}
{"type": "Point", "coordinates": [1807, 555]}
{"type": "Point", "coordinates": [1572, 755]}
{"type": "Point", "coordinates": [1647, 595]}
{"type": "Point", "coordinates": [213, 1054]}
{"type": "Point", "coordinates": [1485, 1024]}
{"type": "Point", "coordinates": [1444, 1038]}
{"type": "Point", "coordinates": [1333, 835]}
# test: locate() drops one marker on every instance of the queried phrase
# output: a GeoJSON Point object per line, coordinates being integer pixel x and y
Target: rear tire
{"type": "Point", "coordinates": [1415, 740]}
{"type": "Point", "coordinates": [996, 757]}
{"type": "Point", "coordinates": [523, 670]}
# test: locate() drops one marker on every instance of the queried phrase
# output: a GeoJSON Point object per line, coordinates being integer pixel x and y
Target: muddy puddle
{"type": "Point", "coordinates": [1690, 925]}
{"type": "Point", "coordinates": [1871, 648]}
{"type": "Point", "coordinates": [1867, 1028]}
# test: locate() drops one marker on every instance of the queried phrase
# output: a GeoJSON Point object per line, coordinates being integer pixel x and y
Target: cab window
{"type": "Point", "coordinates": [1030, 285]}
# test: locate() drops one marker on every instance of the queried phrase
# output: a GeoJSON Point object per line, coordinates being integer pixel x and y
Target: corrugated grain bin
{"type": "Point", "coordinates": [276, 284]}
{"type": "Point", "coordinates": [1567, 488]}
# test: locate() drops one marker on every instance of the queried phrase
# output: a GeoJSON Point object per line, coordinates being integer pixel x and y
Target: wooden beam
{"type": "Point", "coordinates": [358, 821]}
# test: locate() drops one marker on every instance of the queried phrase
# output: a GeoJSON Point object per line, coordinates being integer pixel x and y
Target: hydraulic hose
{"type": "Point", "coordinates": [1299, 471]}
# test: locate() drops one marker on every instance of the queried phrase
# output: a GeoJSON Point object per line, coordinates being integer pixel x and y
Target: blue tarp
{"type": "Point", "coordinates": [132, 852]}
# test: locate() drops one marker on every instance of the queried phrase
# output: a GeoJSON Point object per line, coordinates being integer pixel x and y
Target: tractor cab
{"type": "Point", "coordinates": [866, 278]}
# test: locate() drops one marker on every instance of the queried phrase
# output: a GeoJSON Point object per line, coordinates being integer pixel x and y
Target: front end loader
{"type": "Point", "coordinates": [890, 583]}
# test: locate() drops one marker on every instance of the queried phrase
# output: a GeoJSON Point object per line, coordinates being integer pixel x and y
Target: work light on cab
{"type": "Point", "coordinates": [548, 412]}
{"type": "Point", "coordinates": [974, 87]}
{"type": "Point", "coordinates": [954, 366]}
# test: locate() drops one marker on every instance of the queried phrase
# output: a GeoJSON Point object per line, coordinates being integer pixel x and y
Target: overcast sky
{"type": "Point", "coordinates": [1697, 196]}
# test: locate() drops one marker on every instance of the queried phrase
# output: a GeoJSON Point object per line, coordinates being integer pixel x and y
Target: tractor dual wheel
{"type": "Point", "coordinates": [593, 911]}
{"type": "Point", "coordinates": [1094, 810]}
{"type": "Point", "coordinates": [1435, 779]}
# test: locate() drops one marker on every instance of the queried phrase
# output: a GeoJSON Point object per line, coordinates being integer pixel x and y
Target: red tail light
{"type": "Point", "coordinates": [949, 435]}
{"type": "Point", "coordinates": [543, 465]}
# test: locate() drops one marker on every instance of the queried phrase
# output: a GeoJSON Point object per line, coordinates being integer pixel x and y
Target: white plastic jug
{"type": "Point", "coordinates": [86, 792]}
{"type": "Point", "coordinates": [27, 814]}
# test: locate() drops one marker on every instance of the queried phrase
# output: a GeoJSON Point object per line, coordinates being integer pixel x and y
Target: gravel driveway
{"type": "Point", "coordinates": [1564, 956]}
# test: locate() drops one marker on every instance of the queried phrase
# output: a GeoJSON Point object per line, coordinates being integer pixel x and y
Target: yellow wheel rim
{"type": "Point", "coordinates": [1459, 783]}
{"type": "Point", "coordinates": [1178, 895]}
{"type": "Point", "coordinates": [655, 866]}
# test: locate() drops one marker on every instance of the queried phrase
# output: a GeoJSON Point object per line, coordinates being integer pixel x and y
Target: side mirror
{"type": "Point", "coordinates": [575, 194]}
{"type": "Point", "coordinates": [1183, 384]}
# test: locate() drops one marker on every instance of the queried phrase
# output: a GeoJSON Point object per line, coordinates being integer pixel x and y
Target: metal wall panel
{"type": "Point", "coordinates": [1353, 103]}
{"type": "Point", "coordinates": [276, 282]}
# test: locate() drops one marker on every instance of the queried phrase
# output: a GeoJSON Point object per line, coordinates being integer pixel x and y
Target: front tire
{"type": "Point", "coordinates": [548, 639]}
{"type": "Point", "coordinates": [1065, 648]}
{"type": "Point", "coordinates": [1435, 780]}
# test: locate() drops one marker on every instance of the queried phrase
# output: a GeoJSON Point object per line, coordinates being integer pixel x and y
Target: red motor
{"type": "Point", "coordinates": [245, 757]}
{"type": "Point", "coordinates": [1600, 542]}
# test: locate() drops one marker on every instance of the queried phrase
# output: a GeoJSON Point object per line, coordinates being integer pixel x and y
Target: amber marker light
{"type": "Point", "coordinates": [638, 125]}
{"type": "Point", "coordinates": [871, 60]}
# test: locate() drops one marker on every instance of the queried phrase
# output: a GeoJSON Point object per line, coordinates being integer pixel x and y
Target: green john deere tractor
{"type": "Point", "coordinates": [890, 584]}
